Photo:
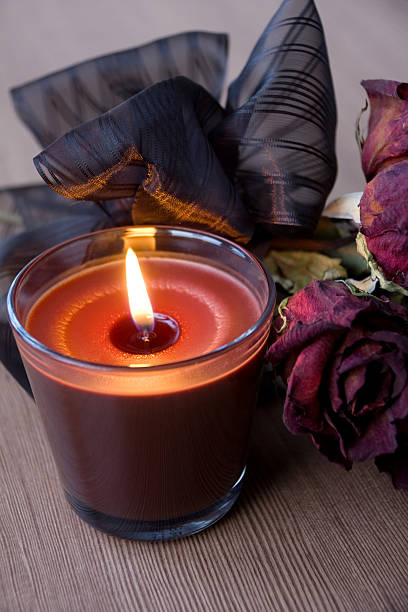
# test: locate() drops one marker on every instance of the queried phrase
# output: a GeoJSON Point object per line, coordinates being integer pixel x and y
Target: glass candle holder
{"type": "Point", "coordinates": [148, 446]}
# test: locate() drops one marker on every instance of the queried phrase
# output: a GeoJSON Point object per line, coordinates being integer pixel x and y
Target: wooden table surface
{"type": "Point", "coordinates": [304, 535]}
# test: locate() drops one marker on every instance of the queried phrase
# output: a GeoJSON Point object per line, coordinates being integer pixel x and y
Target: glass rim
{"type": "Point", "coordinates": [106, 368]}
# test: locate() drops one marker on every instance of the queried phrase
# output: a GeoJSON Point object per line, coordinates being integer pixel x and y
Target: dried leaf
{"type": "Point", "coordinates": [296, 269]}
{"type": "Point", "coordinates": [361, 287]}
{"type": "Point", "coordinates": [376, 270]}
{"type": "Point", "coordinates": [355, 264]}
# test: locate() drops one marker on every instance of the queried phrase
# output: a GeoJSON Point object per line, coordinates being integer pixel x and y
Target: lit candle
{"type": "Point", "coordinates": [140, 306]}
{"type": "Point", "coordinates": [147, 404]}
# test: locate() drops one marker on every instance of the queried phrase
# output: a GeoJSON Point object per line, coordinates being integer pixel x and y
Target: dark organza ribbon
{"type": "Point", "coordinates": [53, 105]}
{"type": "Point", "coordinates": [141, 134]}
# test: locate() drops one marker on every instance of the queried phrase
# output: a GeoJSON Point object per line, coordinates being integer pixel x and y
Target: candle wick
{"type": "Point", "coordinates": [145, 336]}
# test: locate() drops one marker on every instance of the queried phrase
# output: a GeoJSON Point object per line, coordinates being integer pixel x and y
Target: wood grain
{"type": "Point", "coordinates": [304, 535]}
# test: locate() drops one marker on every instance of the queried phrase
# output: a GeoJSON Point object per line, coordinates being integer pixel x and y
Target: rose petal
{"type": "Point", "coordinates": [396, 363]}
{"type": "Point", "coordinates": [302, 413]}
{"type": "Point", "coordinates": [387, 137]}
{"type": "Point", "coordinates": [399, 409]}
{"type": "Point", "coordinates": [353, 382]}
{"type": "Point", "coordinates": [388, 243]}
{"type": "Point", "coordinates": [379, 438]}
{"type": "Point", "coordinates": [364, 352]}
{"type": "Point", "coordinates": [319, 308]}
{"type": "Point", "coordinates": [384, 219]}
{"type": "Point", "coordinates": [396, 466]}
{"type": "Point", "coordinates": [349, 341]}
{"type": "Point", "coordinates": [391, 337]}
{"type": "Point", "coordinates": [328, 445]}
{"type": "Point", "coordinates": [344, 427]}
{"type": "Point", "coordinates": [378, 390]}
{"type": "Point", "coordinates": [386, 189]}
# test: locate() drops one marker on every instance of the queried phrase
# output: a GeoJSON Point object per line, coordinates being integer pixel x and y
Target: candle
{"type": "Point", "coordinates": [149, 443]}
{"type": "Point", "coordinates": [79, 316]}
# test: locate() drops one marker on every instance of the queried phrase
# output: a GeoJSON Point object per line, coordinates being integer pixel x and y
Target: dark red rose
{"type": "Point", "coordinates": [345, 360]}
{"type": "Point", "coordinates": [387, 139]}
{"type": "Point", "coordinates": [384, 221]}
{"type": "Point", "coordinates": [384, 205]}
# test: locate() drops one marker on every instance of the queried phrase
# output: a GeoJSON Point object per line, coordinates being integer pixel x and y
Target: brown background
{"type": "Point", "coordinates": [305, 535]}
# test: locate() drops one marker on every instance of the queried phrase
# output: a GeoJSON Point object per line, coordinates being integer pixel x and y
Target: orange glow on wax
{"type": "Point", "coordinates": [139, 302]}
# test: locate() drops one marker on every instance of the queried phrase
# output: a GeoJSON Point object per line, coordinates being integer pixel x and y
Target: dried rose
{"type": "Point", "coordinates": [384, 205]}
{"type": "Point", "coordinates": [387, 139]}
{"type": "Point", "coordinates": [345, 360]}
{"type": "Point", "coordinates": [384, 221]}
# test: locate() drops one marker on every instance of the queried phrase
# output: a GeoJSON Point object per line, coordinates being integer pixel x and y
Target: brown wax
{"type": "Point", "coordinates": [144, 451]}
{"type": "Point", "coordinates": [76, 316]}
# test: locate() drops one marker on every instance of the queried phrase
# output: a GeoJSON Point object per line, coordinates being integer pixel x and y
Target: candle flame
{"type": "Point", "coordinates": [139, 302]}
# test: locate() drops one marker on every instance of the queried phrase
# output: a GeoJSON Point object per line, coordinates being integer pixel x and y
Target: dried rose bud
{"type": "Point", "coordinates": [387, 139]}
{"type": "Point", "coordinates": [384, 220]}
